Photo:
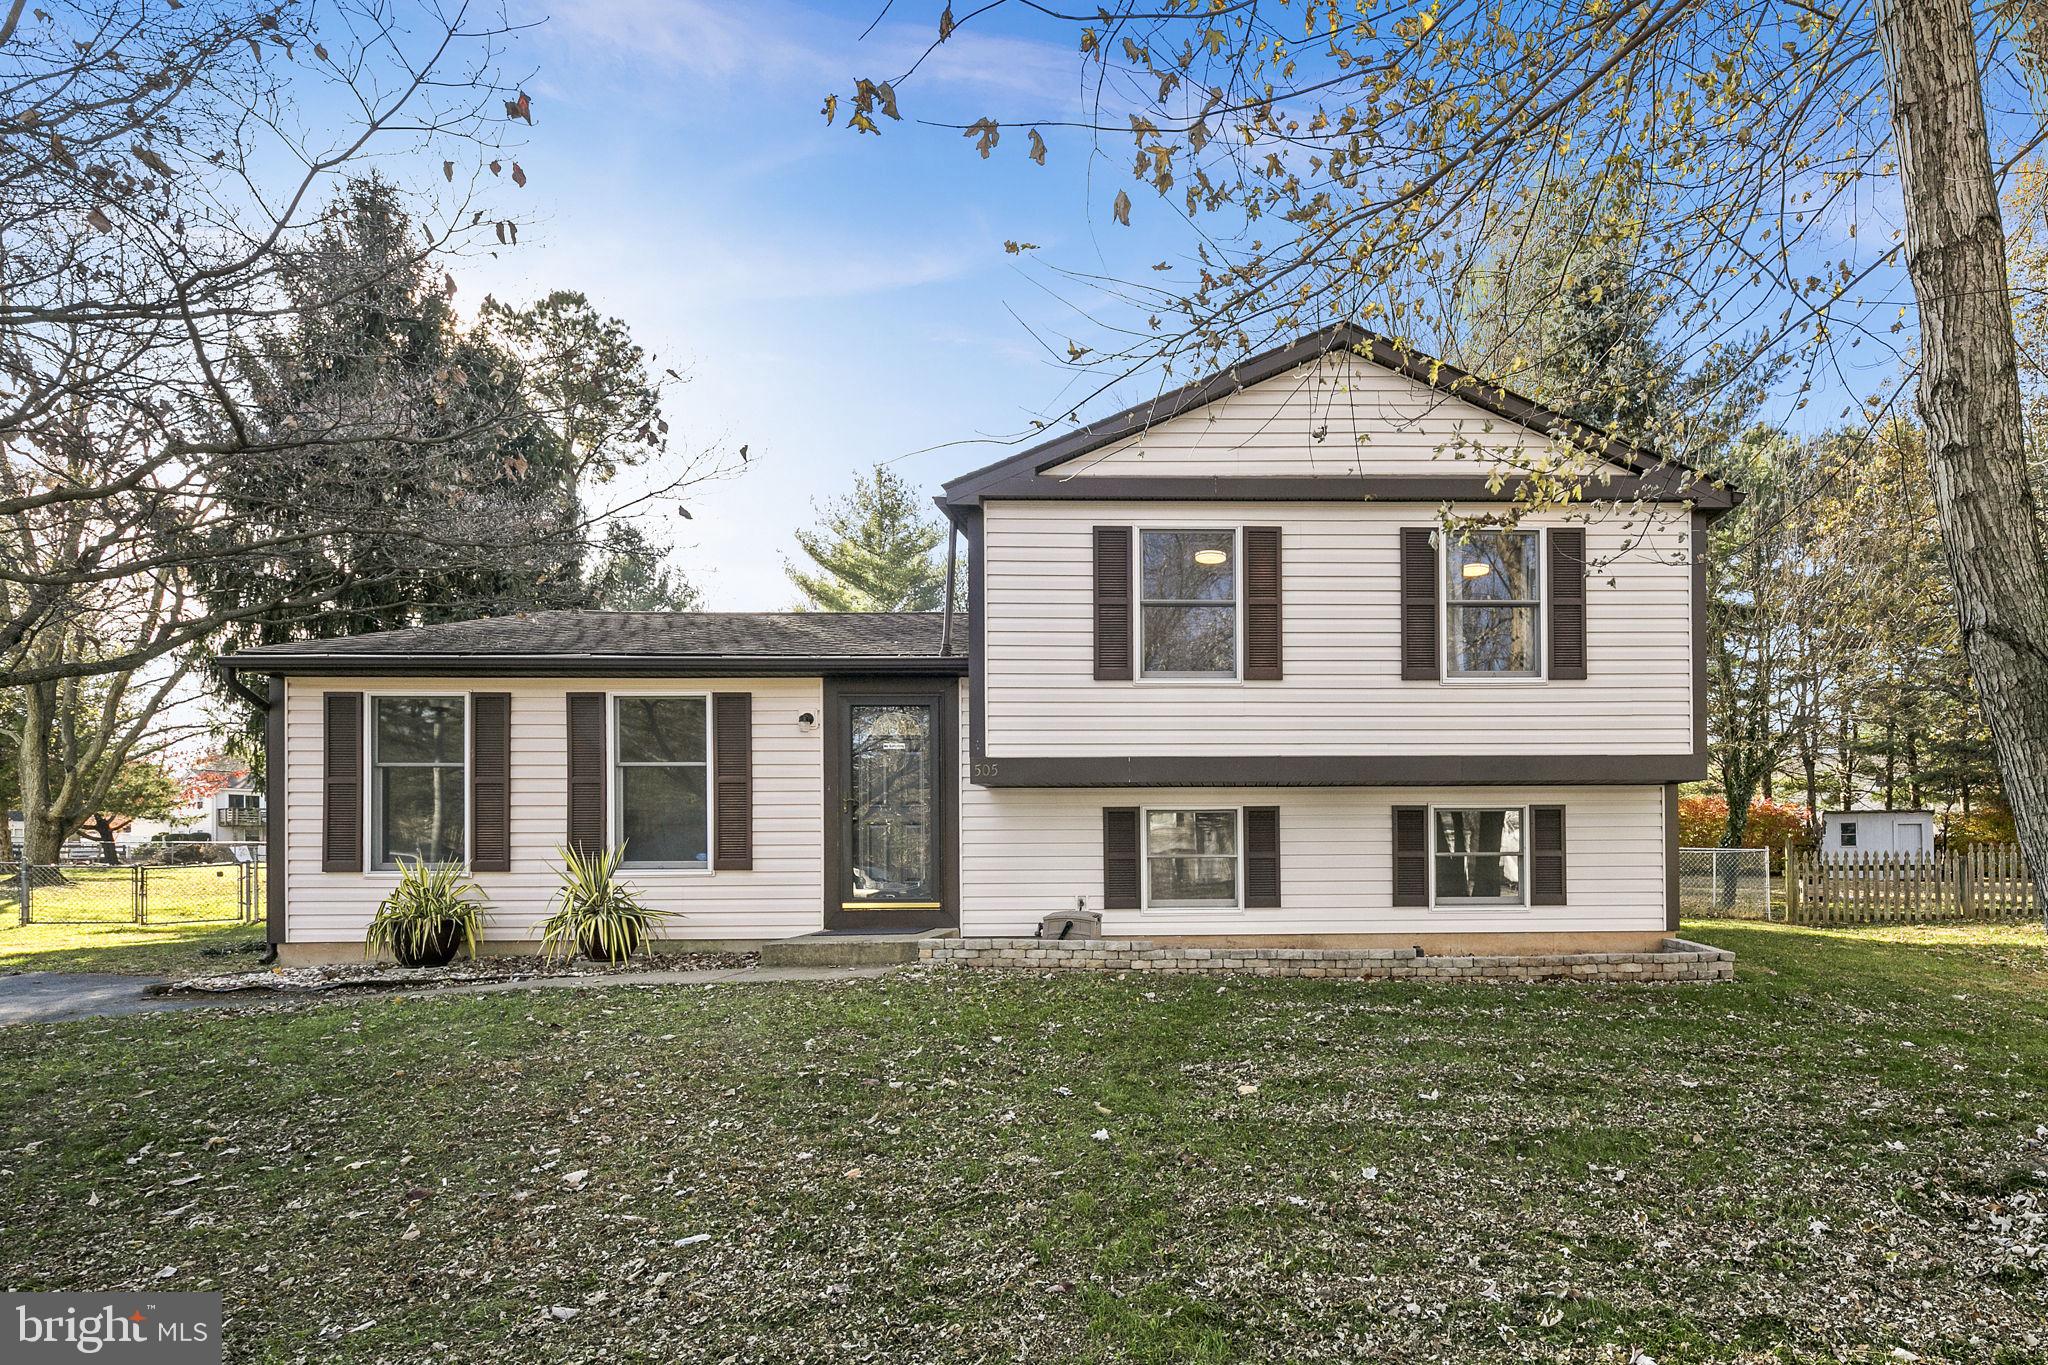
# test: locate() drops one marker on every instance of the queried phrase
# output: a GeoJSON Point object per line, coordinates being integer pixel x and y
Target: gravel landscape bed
{"type": "Point", "coordinates": [463, 971]}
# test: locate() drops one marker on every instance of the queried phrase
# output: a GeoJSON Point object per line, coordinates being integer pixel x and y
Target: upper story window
{"type": "Point", "coordinates": [416, 769]}
{"type": "Point", "coordinates": [1493, 601]}
{"type": "Point", "coordinates": [1187, 604]}
{"type": "Point", "coordinates": [1478, 855]}
{"type": "Point", "coordinates": [661, 807]}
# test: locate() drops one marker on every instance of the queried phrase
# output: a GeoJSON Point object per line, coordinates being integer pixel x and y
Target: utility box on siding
{"type": "Point", "coordinates": [1877, 831]}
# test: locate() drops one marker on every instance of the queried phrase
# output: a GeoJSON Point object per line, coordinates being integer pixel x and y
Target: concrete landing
{"type": "Point", "coordinates": [843, 950]}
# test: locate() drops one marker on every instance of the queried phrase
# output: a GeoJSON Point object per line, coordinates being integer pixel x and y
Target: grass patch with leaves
{"type": "Point", "coordinates": [1839, 1155]}
{"type": "Point", "coordinates": [173, 950]}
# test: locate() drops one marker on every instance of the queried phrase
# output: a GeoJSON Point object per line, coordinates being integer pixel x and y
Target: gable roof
{"type": "Point", "coordinates": [708, 643]}
{"type": "Point", "coordinates": [1025, 474]}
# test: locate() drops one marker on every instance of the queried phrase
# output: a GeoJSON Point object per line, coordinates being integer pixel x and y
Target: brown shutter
{"type": "Point", "coordinates": [341, 812]}
{"type": "Point", "coordinates": [490, 781]}
{"type": "Point", "coordinates": [1112, 603]}
{"type": "Point", "coordinates": [732, 780]}
{"type": "Point", "coordinates": [1411, 855]}
{"type": "Point", "coordinates": [1420, 583]}
{"type": "Point", "coordinates": [1568, 605]}
{"type": "Point", "coordinates": [1546, 855]}
{"type": "Point", "coordinates": [1120, 858]}
{"type": "Point", "coordinates": [1262, 857]}
{"type": "Point", "coordinates": [586, 771]}
{"type": "Point", "coordinates": [1262, 648]}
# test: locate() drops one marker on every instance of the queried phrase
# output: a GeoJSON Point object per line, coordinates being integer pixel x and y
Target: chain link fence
{"type": "Point", "coordinates": [1725, 883]}
{"type": "Point", "coordinates": [194, 893]}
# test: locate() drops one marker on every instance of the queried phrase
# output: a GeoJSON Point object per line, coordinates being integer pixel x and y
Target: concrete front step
{"type": "Point", "coordinates": [842, 950]}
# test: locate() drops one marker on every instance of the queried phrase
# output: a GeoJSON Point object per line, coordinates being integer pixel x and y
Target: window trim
{"type": "Point", "coordinates": [371, 775]}
{"type": "Point", "coordinates": [614, 815]}
{"type": "Point", "coordinates": [1487, 906]}
{"type": "Point", "coordinates": [1145, 906]}
{"type": "Point", "coordinates": [1445, 608]}
{"type": "Point", "coordinates": [1235, 530]}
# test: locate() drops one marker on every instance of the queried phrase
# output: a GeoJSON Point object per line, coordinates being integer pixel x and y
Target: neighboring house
{"type": "Point", "coordinates": [222, 803]}
{"type": "Point", "coordinates": [1220, 676]}
{"type": "Point", "coordinates": [1877, 831]}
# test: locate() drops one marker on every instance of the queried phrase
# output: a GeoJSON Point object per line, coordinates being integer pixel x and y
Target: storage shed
{"type": "Point", "coordinates": [1877, 831]}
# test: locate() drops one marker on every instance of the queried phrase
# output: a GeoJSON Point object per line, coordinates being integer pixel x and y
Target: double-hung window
{"type": "Point", "coordinates": [1192, 860]}
{"type": "Point", "coordinates": [418, 805]}
{"type": "Point", "coordinates": [1478, 855]}
{"type": "Point", "coordinates": [1493, 602]}
{"type": "Point", "coordinates": [1187, 604]}
{"type": "Point", "coordinates": [661, 803]}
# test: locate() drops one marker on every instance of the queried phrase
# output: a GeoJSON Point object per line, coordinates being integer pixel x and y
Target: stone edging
{"type": "Point", "coordinates": [1678, 960]}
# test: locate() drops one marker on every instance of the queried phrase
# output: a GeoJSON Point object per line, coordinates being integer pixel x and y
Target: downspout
{"type": "Point", "coordinates": [273, 759]}
{"type": "Point", "coordinates": [946, 624]}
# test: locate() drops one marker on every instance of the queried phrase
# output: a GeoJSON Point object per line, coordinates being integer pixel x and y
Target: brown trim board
{"type": "Point", "coordinates": [1318, 488]}
{"type": "Point", "coordinates": [1346, 770]}
{"type": "Point", "coordinates": [273, 815]}
{"type": "Point", "coordinates": [1699, 633]}
{"type": "Point", "coordinates": [1671, 856]}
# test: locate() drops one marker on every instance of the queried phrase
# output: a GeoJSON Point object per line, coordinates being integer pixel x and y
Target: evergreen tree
{"type": "Point", "coordinates": [873, 550]}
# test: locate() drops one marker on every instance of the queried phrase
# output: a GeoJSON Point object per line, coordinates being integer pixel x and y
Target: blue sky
{"type": "Point", "coordinates": [835, 299]}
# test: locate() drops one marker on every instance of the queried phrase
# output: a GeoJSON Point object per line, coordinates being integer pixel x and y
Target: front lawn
{"type": "Point", "coordinates": [1839, 1156]}
{"type": "Point", "coordinates": [174, 950]}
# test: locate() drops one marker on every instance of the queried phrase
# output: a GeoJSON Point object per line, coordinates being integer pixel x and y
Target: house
{"type": "Point", "coordinates": [222, 802]}
{"type": "Point", "coordinates": [1222, 677]}
{"type": "Point", "coordinates": [1877, 831]}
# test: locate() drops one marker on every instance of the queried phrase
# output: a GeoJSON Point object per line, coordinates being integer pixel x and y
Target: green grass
{"type": "Point", "coordinates": [1839, 1154]}
{"type": "Point", "coordinates": [86, 922]}
{"type": "Point", "coordinates": [175, 950]}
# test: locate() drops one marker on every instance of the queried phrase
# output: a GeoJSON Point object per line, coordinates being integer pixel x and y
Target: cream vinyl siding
{"type": "Point", "coordinates": [783, 895]}
{"type": "Point", "coordinates": [1028, 852]}
{"type": "Point", "coordinates": [1370, 421]}
{"type": "Point", "coordinates": [1340, 599]}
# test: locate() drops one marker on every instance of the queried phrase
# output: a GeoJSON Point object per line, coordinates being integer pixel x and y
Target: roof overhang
{"type": "Point", "coordinates": [357, 664]}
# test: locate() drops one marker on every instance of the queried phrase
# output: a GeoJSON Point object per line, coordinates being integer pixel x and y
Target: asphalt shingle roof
{"type": "Point", "coordinates": [644, 635]}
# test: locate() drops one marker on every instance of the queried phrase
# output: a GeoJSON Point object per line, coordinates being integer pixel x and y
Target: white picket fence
{"type": "Point", "coordinates": [1983, 882]}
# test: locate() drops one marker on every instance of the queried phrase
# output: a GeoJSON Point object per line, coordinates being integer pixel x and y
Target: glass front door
{"type": "Point", "coordinates": [890, 809]}
{"type": "Point", "coordinates": [891, 804]}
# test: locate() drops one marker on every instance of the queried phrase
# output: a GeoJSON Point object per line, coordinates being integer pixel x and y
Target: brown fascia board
{"type": "Point", "coordinates": [1006, 477]}
{"type": "Point", "coordinates": [341, 665]}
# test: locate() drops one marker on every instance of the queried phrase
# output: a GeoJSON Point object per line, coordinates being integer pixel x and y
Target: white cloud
{"type": "Point", "coordinates": [784, 44]}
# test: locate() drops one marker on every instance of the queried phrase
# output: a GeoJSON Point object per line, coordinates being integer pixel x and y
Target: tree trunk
{"type": "Point", "coordinates": [42, 839]}
{"type": "Point", "coordinates": [1969, 391]}
{"type": "Point", "coordinates": [109, 853]}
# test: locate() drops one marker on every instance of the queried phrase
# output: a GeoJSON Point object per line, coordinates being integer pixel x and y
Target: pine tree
{"type": "Point", "coordinates": [873, 550]}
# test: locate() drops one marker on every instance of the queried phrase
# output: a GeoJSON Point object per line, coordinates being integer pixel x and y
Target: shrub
{"type": "Point", "coordinates": [595, 912]}
{"type": "Point", "coordinates": [1703, 821]}
{"type": "Point", "coordinates": [427, 900]}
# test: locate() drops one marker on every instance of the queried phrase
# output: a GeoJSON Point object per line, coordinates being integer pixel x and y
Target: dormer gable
{"type": "Point", "coordinates": [1340, 412]}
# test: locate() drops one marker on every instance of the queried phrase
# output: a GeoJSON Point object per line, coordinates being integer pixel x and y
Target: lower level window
{"type": "Point", "coordinates": [416, 765]}
{"type": "Point", "coordinates": [1479, 857]}
{"type": "Point", "coordinates": [662, 746]}
{"type": "Point", "coordinates": [1191, 859]}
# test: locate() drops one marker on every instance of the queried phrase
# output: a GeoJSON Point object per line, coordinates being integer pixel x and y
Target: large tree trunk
{"type": "Point", "coordinates": [42, 839]}
{"type": "Point", "coordinates": [1969, 393]}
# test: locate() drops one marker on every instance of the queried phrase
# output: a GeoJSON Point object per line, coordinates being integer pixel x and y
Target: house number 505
{"type": "Point", "coordinates": [985, 768]}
